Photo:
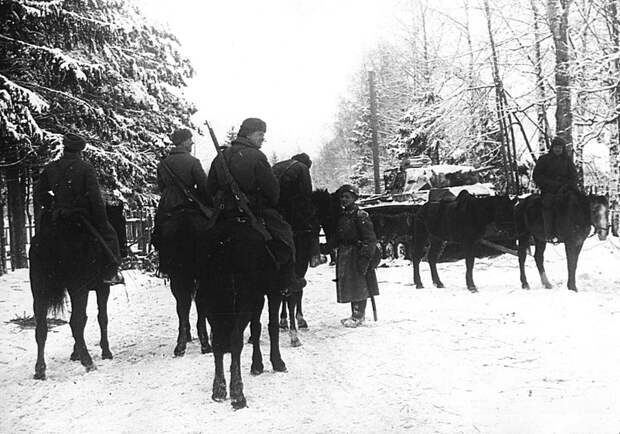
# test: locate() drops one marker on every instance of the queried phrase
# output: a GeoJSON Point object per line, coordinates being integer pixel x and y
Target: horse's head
{"type": "Point", "coordinates": [599, 215]}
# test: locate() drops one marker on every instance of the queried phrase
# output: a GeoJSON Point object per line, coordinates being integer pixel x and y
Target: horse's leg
{"type": "Point", "coordinates": [469, 264]}
{"type": "Point", "coordinates": [291, 302]}
{"type": "Point", "coordinates": [219, 380]}
{"type": "Point", "coordinates": [103, 293]}
{"type": "Point", "coordinates": [181, 287]}
{"type": "Point", "coordinates": [433, 256]}
{"type": "Point", "coordinates": [539, 257]}
{"type": "Point", "coordinates": [522, 251]}
{"type": "Point", "coordinates": [237, 399]}
{"type": "Point", "coordinates": [416, 257]}
{"type": "Point", "coordinates": [40, 306]}
{"type": "Point", "coordinates": [201, 324]}
{"type": "Point", "coordinates": [283, 315]}
{"type": "Point", "coordinates": [79, 301]}
{"type": "Point", "coordinates": [572, 248]}
{"type": "Point", "coordinates": [257, 367]}
{"type": "Point", "coordinates": [273, 303]}
{"type": "Point", "coordinates": [301, 322]}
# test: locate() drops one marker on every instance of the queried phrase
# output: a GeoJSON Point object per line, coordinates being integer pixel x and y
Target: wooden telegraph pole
{"type": "Point", "coordinates": [373, 129]}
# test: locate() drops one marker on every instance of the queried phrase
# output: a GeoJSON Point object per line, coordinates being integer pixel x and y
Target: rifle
{"type": "Point", "coordinates": [240, 198]}
{"type": "Point", "coordinates": [189, 194]}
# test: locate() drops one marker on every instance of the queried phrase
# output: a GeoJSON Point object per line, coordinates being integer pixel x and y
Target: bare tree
{"type": "Point", "coordinates": [557, 15]}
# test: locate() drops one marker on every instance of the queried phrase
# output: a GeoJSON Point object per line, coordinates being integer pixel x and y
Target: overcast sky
{"type": "Point", "coordinates": [285, 61]}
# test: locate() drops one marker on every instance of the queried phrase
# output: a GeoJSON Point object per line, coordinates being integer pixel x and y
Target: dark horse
{"type": "Point", "coordinates": [576, 213]}
{"type": "Point", "coordinates": [178, 239]}
{"type": "Point", "coordinates": [238, 272]}
{"type": "Point", "coordinates": [328, 211]}
{"type": "Point", "coordinates": [66, 257]}
{"type": "Point", "coordinates": [464, 221]}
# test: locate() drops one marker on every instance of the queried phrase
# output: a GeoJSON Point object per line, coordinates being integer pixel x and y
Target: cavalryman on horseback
{"type": "Point", "coordinates": [296, 207]}
{"type": "Point", "coordinates": [253, 174]}
{"type": "Point", "coordinates": [68, 189]}
{"type": "Point", "coordinates": [554, 174]}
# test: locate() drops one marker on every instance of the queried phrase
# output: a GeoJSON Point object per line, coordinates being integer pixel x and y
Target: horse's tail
{"type": "Point", "coordinates": [56, 299]}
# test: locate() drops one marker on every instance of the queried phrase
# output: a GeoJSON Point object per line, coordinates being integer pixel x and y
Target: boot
{"type": "Point", "coordinates": [358, 314]}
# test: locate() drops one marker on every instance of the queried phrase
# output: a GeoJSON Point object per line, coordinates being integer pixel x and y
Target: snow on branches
{"type": "Point", "coordinates": [95, 68]}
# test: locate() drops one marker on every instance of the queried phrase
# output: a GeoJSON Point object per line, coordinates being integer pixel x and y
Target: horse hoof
{"type": "Point", "coordinates": [90, 367]}
{"type": "Point", "coordinates": [548, 286]}
{"type": "Point", "coordinates": [419, 286]}
{"type": "Point", "coordinates": [295, 342]}
{"type": "Point", "coordinates": [218, 397]}
{"type": "Point", "coordinates": [439, 285]}
{"type": "Point", "coordinates": [283, 323]}
{"type": "Point", "coordinates": [473, 289]}
{"type": "Point", "coordinates": [179, 352]}
{"type": "Point", "coordinates": [206, 349]}
{"type": "Point", "coordinates": [238, 404]}
{"type": "Point", "coordinates": [106, 355]}
{"type": "Point", "coordinates": [279, 367]}
{"type": "Point", "coordinates": [525, 286]}
{"type": "Point", "coordinates": [74, 356]}
{"type": "Point", "coordinates": [301, 323]}
{"type": "Point", "coordinates": [573, 289]}
{"type": "Point", "coordinates": [257, 370]}
{"type": "Point", "coordinates": [39, 373]}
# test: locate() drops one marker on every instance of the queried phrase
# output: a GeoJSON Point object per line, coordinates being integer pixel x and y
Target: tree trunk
{"type": "Point", "coordinates": [557, 14]}
{"type": "Point", "coordinates": [2, 227]}
{"type": "Point", "coordinates": [16, 194]}
{"type": "Point", "coordinates": [541, 91]}
{"type": "Point", "coordinates": [614, 146]}
{"type": "Point", "coordinates": [499, 105]}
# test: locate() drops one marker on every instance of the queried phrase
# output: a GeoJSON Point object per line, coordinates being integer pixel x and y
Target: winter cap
{"type": "Point", "coordinates": [302, 158]}
{"type": "Point", "coordinates": [180, 135]}
{"type": "Point", "coordinates": [350, 189]}
{"type": "Point", "coordinates": [73, 142]}
{"type": "Point", "coordinates": [252, 125]}
{"type": "Point", "coordinates": [558, 141]}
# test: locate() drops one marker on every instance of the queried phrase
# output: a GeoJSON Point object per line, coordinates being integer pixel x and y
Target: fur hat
{"type": "Point", "coordinates": [180, 135]}
{"type": "Point", "coordinates": [73, 142]}
{"type": "Point", "coordinates": [349, 189]}
{"type": "Point", "coordinates": [251, 125]}
{"type": "Point", "coordinates": [303, 158]}
{"type": "Point", "coordinates": [558, 141]}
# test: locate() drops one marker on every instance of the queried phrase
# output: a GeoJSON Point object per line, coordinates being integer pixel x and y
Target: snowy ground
{"type": "Point", "coordinates": [504, 360]}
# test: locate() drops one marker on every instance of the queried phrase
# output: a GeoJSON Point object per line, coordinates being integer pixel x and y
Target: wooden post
{"type": "Point", "coordinates": [373, 129]}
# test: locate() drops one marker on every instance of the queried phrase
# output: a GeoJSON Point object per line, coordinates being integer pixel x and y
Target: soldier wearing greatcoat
{"type": "Point", "coordinates": [296, 207]}
{"type": "Point", "coordinates": [356, 259]}
{"type": "Point", "coordinates": [68, 187]}
{"type": "Point", "coordinates": [554, 173]}
{"type": "Point", "coordinates": [252, 172]}
{"type": "Point", "coordinates": [178, 222]}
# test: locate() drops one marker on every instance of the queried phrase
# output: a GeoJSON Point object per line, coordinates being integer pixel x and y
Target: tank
{"type": "Point", "coordinates": [408, 187]}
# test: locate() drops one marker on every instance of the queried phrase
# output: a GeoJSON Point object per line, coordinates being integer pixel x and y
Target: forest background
{"type": "Point", "coordinates": [478, 84]}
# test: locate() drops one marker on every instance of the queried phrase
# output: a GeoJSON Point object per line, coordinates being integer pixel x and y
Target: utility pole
{"type": "Point", "coordinates": [373, 129]}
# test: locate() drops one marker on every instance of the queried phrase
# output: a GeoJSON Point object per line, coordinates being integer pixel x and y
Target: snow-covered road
{"type": "Point", "coordinates": [504, 360]}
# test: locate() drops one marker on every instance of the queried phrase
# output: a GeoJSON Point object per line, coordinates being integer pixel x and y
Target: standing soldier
{"type": "Point", "coordinates": [68, 189]}
{"type": "Point", "coordinates": [357, 257]}
{"type": "Point", "coordinates": [179, 226]}
{"type": "Point", "coordinates": [554, 173]}
{"type": "Point", "coordinates": [251, 170]}
{"type": "Point", "coordinates": [296, 207]}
